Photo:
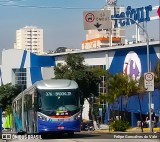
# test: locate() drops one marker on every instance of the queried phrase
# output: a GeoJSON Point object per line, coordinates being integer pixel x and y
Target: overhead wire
{"type": "Point", "coordinates": [45, 7]}
{"type": "Point", "coordinates": [10, 1]}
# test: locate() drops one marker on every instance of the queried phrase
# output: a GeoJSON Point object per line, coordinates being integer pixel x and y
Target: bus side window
{"type": "Point", "coordinates": [34, 105]}
{"type": "Point", "coordinates": [14, 107]}
{"type": "Point", "coordinates": [17, 106]}
{"type": "Point", "coordinates": [25, 103]}
{"type": "Point", "coordinates": [29, 100]}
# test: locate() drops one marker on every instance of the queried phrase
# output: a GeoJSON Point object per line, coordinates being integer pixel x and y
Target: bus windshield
{"type": "Point", "coordinates": [58, 100]}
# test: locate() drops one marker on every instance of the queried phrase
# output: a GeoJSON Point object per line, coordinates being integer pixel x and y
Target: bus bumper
{"type": "Point", "coordinates": [59, 126]}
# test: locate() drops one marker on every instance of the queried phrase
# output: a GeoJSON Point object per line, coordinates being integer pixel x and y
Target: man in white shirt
{"type": "Point", "coordinates": [153, 118]}
{"type": "Point", "coordinates": [3, 120]}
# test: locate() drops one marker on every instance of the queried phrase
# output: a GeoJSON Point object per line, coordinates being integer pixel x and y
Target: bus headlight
{"type": "Point", "coordinates": [42, 117]}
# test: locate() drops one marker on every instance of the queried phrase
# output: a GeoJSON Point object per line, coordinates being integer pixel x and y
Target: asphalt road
{"type": "Point", "coordinates": [96, 137]}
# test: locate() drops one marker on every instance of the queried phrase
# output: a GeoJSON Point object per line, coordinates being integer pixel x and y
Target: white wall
{"type": "Point", "coordinates": [12, 59]}
{"type": "Point", "coordinates": [95, 58]}
{"type": "Point", "coordinates": [85, 113]}
{"type": "Point", "coordinates": [47, 72]}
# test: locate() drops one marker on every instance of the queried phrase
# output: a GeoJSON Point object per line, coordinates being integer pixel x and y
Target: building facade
{"type": "Point", "coordinates": [30, 38]}
{"type": "Point", "coordinates": [23, 67]}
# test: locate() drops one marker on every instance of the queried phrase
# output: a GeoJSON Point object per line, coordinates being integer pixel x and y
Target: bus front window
{"type": "Point", "coordinates": [58, 100]}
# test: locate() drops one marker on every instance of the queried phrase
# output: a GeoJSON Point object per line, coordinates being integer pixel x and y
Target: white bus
{"type": "Point", "coordinates": [48, 106]}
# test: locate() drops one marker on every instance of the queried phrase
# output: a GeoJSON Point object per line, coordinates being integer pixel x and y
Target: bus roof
{"type": "Point", "coordinates": [51, 84]}
{"type": "Point", "coordinates": [56, 84]}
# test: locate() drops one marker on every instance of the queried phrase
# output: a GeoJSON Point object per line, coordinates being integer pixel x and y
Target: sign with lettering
{"type": "Point", "coordinates": [149, 81]}
{"type": "Point", "coordinates": [97, 19]}
{"type": "Point", "coordinates": [138, 14]}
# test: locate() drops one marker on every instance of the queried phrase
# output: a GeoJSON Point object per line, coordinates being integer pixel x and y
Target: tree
{"type": "Point", "coordinates": [119, 86]}
{"type": "Point", "coordinates": [8, 122]}
{"type": "Point", "coordinates": [122, 85]}
{"type": "Point", "coordinates": [140, 93]}
{"type": "Point", "coordinates": [75, 69]}
{"type": "Point", "coordinates": [7, 93]}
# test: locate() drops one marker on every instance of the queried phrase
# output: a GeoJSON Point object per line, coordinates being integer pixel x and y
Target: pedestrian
{"type": "Point", "coordinates": [3, 119]}
{"type": "Point", "coordinates": [153, 118]}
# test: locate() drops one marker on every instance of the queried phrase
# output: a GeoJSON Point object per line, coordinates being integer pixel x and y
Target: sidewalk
{"type": "Point", "coordinates": [105, 129]}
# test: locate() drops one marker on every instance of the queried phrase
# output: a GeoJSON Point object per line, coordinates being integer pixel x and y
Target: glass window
{"type": "Point", "coordinates": [20, 77]}
{"type": "Point", "coordinates": [58, 100]}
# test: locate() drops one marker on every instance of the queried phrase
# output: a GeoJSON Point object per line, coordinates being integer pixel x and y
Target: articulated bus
{"type": "Point", "coordinates": [48, 106]}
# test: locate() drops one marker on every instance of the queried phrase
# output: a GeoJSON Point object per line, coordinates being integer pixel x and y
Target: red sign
{"type": "Point", "coordinates": [89, 17]}
{"type": "Point", "coordinates": [158, 11]}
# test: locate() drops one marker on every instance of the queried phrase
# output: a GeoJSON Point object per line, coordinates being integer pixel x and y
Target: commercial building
{"type": "Point", "coordinates": [30, 38]}
{"type": "Point", "coordinates": [24, 67]}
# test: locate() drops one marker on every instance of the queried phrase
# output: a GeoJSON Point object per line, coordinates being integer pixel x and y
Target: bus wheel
{"type": "Point", "coordinates": [70, 134]}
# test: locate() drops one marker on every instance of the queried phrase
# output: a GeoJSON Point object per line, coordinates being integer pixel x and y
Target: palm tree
{"type": "Point", "coordinates": [126, 88]}
{"type": "Point", "coordinates": [139, 91]}
{"type": "Point", "coordinates": [119, 85]}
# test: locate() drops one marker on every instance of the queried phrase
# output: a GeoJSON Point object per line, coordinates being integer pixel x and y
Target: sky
{"type": "Point", "coordinates": [61, 20]}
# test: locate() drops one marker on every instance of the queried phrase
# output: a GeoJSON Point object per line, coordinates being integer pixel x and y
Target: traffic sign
{"type": "Point", "coordinates": [149, 81]}
{"type": "Point", "coordinates": [97, 19]}
{"type": "Point", "coordinates": [158, 11]}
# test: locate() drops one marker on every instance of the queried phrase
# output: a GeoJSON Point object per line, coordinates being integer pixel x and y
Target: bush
{"type": "Point", "coordinates": [120, 125]}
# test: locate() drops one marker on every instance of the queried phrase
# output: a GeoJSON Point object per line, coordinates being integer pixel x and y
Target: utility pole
{"type": "Point", "coordinates": [0, 119]}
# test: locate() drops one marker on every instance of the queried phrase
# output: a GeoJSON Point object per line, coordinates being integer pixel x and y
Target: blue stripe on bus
{"type": "Point", "coordinates": [52, 126]}
{"type": "Point", "coordinates": [18, 122]}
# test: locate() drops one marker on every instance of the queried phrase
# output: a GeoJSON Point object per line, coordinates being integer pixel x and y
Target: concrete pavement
{"type": "Point", "coordinates": [105, 129]}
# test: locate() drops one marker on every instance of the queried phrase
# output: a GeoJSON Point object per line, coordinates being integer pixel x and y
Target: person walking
{"type": "Point", "coordinates": [153, 118]}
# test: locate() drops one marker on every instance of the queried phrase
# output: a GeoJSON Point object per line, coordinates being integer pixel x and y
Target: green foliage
{"type": "Point", "coordinates": [75, 69]}
{"type": "Point", "coordinates": [7, 93]}
{"type": "Point", "coordinates": [95, 110]}
{"type": "Point", "coordinates": [99, 71]}
{"type": "Point", "coordinates": [121, 85]}
{"type": "Point", "coordinates": [120, 125]}
{"type": "Point", "coordinates": [8, 109]}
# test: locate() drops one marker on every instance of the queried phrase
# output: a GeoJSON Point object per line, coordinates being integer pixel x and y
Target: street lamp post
{"type": "Point", "coordinates": [147, 38]}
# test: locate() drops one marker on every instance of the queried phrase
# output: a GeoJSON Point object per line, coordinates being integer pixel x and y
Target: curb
{"type": "Point", "coordinates": [134, 130]}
